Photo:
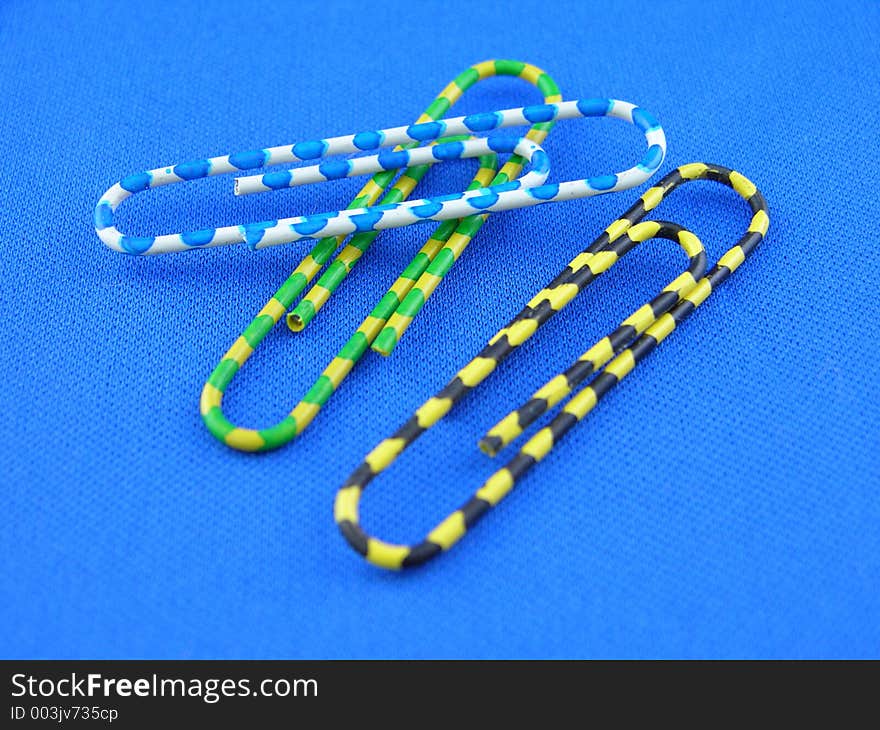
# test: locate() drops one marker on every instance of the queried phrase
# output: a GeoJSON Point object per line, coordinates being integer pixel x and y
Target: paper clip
{"type": "Point", "coordinates": [462, 214]}
{"type": "Point", "coordinates": [605, 364]}
{"type": "Point", "coordinates": [497, 197]}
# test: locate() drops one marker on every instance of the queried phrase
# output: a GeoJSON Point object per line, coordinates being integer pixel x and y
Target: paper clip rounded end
{"type": "Point", "coordinates": [377, 552]}
{"type": "Point", "coordinates": [111, 238]}
{"type": "Point", "coordinates": [354, 536]}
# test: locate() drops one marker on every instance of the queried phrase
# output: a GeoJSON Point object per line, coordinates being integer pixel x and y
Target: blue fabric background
{"type": "Point", "coordinates": [722, 502]}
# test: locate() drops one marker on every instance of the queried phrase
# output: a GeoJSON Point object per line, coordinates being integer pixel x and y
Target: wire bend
{"type": "Point", "coordinates": [609, 360]}
{"type": "Point", "coordinates": [463, 215]}
{"type": "Point", "coordinates": [395, 310]}
{"type": "Point", "coordinates": [498, 196]}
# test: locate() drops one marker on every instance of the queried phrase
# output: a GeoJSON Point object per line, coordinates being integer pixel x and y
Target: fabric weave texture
{"type": "Point", "coordinates": [723, 502]}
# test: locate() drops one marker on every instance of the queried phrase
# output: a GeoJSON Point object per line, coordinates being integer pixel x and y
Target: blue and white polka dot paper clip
{"type": "Point", "coordinates": [529, 190]}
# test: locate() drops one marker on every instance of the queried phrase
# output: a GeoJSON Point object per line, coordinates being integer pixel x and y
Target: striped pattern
{"type": "Point", "coordinates": [448, 236]}
{"type": "Point", "coordinates": [613, 358]}
{"type": "Point", "coordinates": [317, 296]}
